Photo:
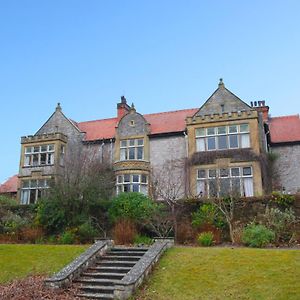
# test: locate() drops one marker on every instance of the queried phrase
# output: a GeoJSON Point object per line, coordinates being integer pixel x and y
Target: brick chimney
{"type": "Point", "coordinates": [123, 108]}
{"type": "Point", "coordinates": [261, 106]}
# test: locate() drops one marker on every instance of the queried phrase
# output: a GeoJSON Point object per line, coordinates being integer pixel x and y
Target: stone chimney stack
{"type": "Point", "coordinates": [261, 106]}
{"type": "Point", "coordinates": [123, 108]}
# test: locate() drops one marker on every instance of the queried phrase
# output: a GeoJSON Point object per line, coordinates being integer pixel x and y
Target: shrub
{"type": "Point", "coordinates": [281, 222]}
{"type": "Point", "coordinates": [205, 239]}
{"type": "Point", "coordinates": [208, 214]}
{"type": "Point", "coordinates": [32, 234]}
{"type": "Point", "coordinates": [185, 232]}
{"type": "Point", "coordinates": [8, 201]}
{"type": "Point", "coordinates": [132, 206]}
{"type": "Point", "coordinates": [283, 200]}
{"type": "Point", "coordinates": [68, 237]}
{"type": "Point", "coordinates": [142, 239]}
{"type": "Point", "coordinates": [86, 232]}
{"type": "Point", "coordinates": [257, 235]}
{"type": "Point", "coordinates": [124, 232]}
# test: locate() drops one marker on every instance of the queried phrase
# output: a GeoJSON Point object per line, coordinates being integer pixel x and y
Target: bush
{"type": "Point", "coordinates": [283, 200]}
{"type": "Point", "coordinates": [205, 239]}
{"type": "Point", "coordinates": [8, 201]}
{"type": "Point", "coordinates": [208, 214]}
{"type": "Point", "coordinates": [142, 239]}
{"type": "Point", "coordinates": [124, 232]}
{"type": "Point", "coordinates": [257, 235]}
{"type": "Point", "coordinates": [32, 234]}
{"type": "Point", "coordinates": [281, 222]}
{"type": "Point", "coordinates": [68, 237]}
{"type": "Point", "coordinates": [86, 232]}
{"type": "Point", "coordinates": [132, 206]}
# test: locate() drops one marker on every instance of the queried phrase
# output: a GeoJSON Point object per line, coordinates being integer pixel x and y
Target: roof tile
{"type": "Point", "coordinates": [10, 186]}
{"type": "Point", "coordinates": [285, 129]}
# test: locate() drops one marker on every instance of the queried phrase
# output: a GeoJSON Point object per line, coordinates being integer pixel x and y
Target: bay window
{"type": "Point", "coordinates": [222, 137]}
{"type": "Point", "coordinates": [132, 149]}
{"type": "Point", "coordinates": [33, 189]}
{"type": "Point", "coordinates": [39, 155]}
{"type": "Point", "coordinates": [132, 183]}
{"type": "Point", "coordinates": [224, 182]}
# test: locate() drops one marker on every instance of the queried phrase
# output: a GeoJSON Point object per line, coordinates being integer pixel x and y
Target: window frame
{"type": "Point", "coordinates": [206, 136]}
{"type": "Point", "coordinates": [217, 178]}
{"type": "Point", "coordinates": [36, 152]}
{"type": "Point", "coordinates": [132, 146]}
{"type": "Point", "coordinates": [142, 181]}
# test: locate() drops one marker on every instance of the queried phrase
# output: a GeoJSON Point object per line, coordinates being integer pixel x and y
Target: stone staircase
{"type": "Point", "coordinates": [98, 281]}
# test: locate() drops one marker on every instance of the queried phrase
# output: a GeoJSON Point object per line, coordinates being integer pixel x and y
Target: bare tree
{"type": "Point", "coordinates": [168, 185]}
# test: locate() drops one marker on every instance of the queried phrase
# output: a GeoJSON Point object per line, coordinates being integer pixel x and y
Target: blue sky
{"type": "Point", "coordinates": [162, 55]}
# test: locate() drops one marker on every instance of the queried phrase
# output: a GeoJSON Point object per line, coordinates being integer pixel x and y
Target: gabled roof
{"type": "Point", "coordinates": [222, 100]}
{"type": "Point", "coordinates": [285, 129]}
{"type": "Point", "coordinates": [165, 122]}
{"type": "Point", "coordinates": [10, 186]}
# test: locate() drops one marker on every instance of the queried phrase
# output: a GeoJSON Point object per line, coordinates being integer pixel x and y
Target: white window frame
{"type": "Point", "coordinates": [126, 146]}
{"type": "Point", "coordinates": [202, 136]}
{"type": "Point", "coordinates": [208, 177]}
{"type": "Point", "coordinates": [33, 188]}
{"type": "Point", "coordinates": [38, 150]}
{"type": "Point", "coordinates": [131, 183]}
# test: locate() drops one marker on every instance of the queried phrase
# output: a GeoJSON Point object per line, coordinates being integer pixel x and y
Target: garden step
{"type": "Point", "coordinates": [120, 249]}
{"type": "Point", "coordinates": [127, 253]}
{"type": "Point", "coordinates": [96, 296]}
{"type": "Point", "coordinates": [97, 281]}
{"type": "Point", "coordinates": [116, 276]}
{"type": "Point", "coordinates": [121, 257]}
{"type": "Point", "coordinates": [108, 269]}
{"type": "Point", "coordinates": [116, 263]}
{"type": "Point", "coordinates": [102, 289]}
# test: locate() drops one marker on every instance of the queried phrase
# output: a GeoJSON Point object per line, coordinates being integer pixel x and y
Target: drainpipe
{"type": "Point", "coordinates": [186, 144]}
{"type": "Point", "coordinates": [101, 149]}
{"type": "Point", "coordinates": [111, 151]}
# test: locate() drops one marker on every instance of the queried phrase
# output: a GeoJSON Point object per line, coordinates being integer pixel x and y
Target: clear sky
{"type": "Point", "coordinates": [162, 55]}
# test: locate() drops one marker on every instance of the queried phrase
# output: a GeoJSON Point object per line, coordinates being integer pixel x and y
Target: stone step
{"type": "Point", "coordinates": [120, 249]}
{"type": "Point", "coordinates": [97, 281]}
{"type": "Point", "coordinates": [121, 257]}
{"type": "Point", "coordinates": [109, 269]}
{"type": "Point", "coordinates": [112, 275]}
{"type": "Point", "coordinates": [115, 263]}
{"type": "Point", "coordinates": [96, 296]}
{"type": "Point", "coordinates": [127, 253]}
{"type": "Point", "coordinates": [101, 289]}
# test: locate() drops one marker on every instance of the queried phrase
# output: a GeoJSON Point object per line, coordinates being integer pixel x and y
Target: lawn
{"type": "Point", "coordinates": [19, 261]}
{"type": "Point", "coordinates": [224, 273]}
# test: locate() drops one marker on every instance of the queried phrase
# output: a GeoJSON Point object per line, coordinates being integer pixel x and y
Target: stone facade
{"type": "Point", "coordinates": [287, 167]}
{"type": "Point", "coordinates": [176, 148]}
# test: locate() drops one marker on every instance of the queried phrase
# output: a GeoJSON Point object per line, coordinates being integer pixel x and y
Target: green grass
{"type": "Point", "coordinates": [19, 261]}
{"type": "Point", "coordinates": [225, 273]}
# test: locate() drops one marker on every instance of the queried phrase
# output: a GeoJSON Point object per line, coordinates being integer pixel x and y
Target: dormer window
{"type": "Point", "coordinates": [132, 149]}
{"type": "Point", "coordinates": [223, 137]}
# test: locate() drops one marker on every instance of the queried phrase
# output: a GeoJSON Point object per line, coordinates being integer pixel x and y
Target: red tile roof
{"type": "Point", "coordinates": [165, 122]}
{"type": "Point", "coordinates": [285, 129]}
{"type": "Point", "coordinates": [9, 186]}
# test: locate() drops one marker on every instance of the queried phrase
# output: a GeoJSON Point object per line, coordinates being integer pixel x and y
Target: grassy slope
{"type": "Point", "coordinates": [18, 261]}
{"type": "Point", "coordinates": [224, 273]}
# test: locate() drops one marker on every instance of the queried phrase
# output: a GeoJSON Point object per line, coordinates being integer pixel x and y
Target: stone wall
{"type": "Point", "coordinates": [287, 167]}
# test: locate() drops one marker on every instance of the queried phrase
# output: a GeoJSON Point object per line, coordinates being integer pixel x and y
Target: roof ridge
{"type": "Point", "coordinates": [97, 120]}
{"type": "Point", "coordinates": [286, 116]}
{"type": "Point", "coordinates": [171, 111]}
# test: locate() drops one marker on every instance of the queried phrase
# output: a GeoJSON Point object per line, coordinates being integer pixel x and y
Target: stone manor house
{"type": "Point", "coordinates": [222, 147]}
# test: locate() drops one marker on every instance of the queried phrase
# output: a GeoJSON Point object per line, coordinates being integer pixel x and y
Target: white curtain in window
{"type": "Point", "coordinates": [200, 144]}
{"type": "Point", "coordinates": [248, 187]}
{"type": "Point", "coordinates": [200, 187]}
{"type": "Point", "coordinates": [25, 197]}
{"type": "Point", "coordinates": [245, 140]}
